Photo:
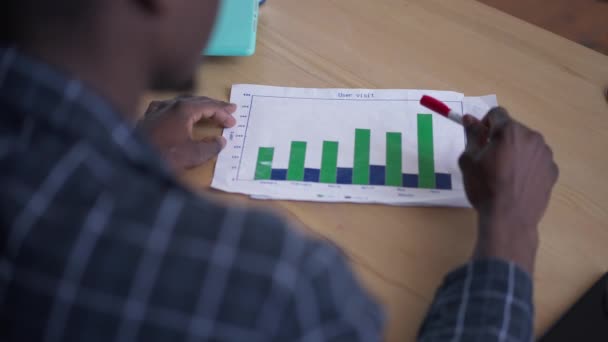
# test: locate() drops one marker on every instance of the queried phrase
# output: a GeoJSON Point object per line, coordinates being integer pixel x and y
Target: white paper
{"type": "Point", "coordinates": [274, 117]}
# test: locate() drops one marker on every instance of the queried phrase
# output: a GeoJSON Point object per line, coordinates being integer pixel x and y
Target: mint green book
{"type": "Point", "coordinates": [235, 30]}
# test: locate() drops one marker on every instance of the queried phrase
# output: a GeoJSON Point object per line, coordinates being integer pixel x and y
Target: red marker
{"type": "Point", "coordinates": [440, 108]}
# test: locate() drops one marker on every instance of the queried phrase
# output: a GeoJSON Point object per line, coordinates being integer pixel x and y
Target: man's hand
{"type": "Point", "coordinates": [169, 125]}
{"type": "Point", "coordinates": [509, 173]}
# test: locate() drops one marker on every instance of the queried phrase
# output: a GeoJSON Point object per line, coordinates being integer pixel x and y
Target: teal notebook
{"type": "Point", "coordinates": [235, 30]}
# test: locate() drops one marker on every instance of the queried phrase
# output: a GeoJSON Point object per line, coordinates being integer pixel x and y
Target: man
{"type": "Point", "coordinates": [101, 243]}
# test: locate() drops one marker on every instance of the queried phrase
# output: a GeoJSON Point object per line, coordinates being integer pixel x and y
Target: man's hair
{"type": "Point", "coordinates": [20, 19]}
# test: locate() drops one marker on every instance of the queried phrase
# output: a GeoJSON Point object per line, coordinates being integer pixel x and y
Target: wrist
{"type": "Point", "coordinates": [507, 238]}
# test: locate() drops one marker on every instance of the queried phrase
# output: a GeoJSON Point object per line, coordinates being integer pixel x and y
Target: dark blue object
{"type": "Point", "coordinates": [377, 174]}
{"type": "Point", "coordinates": [312, 175]}
{"type": "Point", "coordinates": [344, 176]}
{"type": "Point", "coordinates": [410, 181]}
{"type": "Point", "coordinates": [443, 181]}
{"type": "Point", "coordinates": [278, 174]}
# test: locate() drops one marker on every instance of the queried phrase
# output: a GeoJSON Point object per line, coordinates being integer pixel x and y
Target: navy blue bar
{"type": "Point", "coordinates": [278, 174]}
{"type": "Point", "coordinates": [410, 181]}
{"type": "Point", "coordinates": [344, 176]}
{"type": "Point", "coordinates": [312, 175]}
{"type": "Point", "coordinates": [377, 175]}
{"type": "Point", "coordinates": [443, 181]}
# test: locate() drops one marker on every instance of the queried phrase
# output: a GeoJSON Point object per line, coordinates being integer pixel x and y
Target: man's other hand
{"type": "Point", "coordinates": [509, 173]}
{"type": "Point", "coordinates": [169, 124]}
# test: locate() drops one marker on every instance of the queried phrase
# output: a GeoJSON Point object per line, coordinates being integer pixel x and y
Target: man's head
{"type": "Point", "coordinates": [166, 36]}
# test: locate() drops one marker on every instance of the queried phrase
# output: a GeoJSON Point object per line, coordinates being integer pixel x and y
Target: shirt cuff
{"type": "Point", "coordinates": [493, 277]}
{"type": "Point", "coordinates": [486, 299]}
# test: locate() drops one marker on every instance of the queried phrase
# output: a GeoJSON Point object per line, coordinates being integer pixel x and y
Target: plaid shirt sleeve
{"type": "Point", "coordinates": [485, 300]}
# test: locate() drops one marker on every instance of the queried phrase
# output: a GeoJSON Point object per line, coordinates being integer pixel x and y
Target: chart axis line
{"type": "Point", "coordinates": [238, 171]}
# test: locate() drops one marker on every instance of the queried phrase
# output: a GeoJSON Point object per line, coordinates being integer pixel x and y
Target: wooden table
{"type": "Point", "coordinates": [552, 84]}
{"type": "Point", "coordinates": [583, 21]}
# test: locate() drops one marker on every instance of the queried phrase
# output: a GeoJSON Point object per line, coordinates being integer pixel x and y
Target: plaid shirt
{"type": "Point", "coordinates": [99, 242]}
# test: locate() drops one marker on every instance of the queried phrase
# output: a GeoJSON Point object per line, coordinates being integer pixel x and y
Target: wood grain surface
{"type": "Point", "coordinates": [546, 81]}
{"type": "Point", "coordinates": [582, 21]}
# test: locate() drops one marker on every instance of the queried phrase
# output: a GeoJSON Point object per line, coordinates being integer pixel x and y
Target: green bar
{"type": "Point", "coordinates": [426, 162]}
{"type": "Point", "coordinates": [295, 172]}
{"type": "Point", "coordinates": [264, 165]}
{"type": "Point", "coordinates": [329, 162]}
{"type": "Point", "coordinates": [361, 162]}
{"type": "Point", "coordinates": [394, 160]}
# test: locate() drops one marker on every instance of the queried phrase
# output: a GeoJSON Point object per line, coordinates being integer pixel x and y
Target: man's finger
{"type": "Point", "coordinates": [216, 111]}
{"type": "Point", "coordinates": [496, 119]}
{"type": "Point", "coordinates": [476, 134]}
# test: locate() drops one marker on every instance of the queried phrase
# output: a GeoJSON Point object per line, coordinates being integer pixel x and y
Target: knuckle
{"type": "Point", "coordinates": [154, 105]}
{"type": "Point", "coordinates": [498, 111]}
{"type": "Point", "coordinates": [499, 116]}
{"type": "Point", "coordinates": [534, 136]}
{"type": "Point", "coordinates": [181, 105]}
{"type": "Point", "coordinates": [184, 97]}
{"type": "Point", "coordinates": [204, 101]}
{"type": "Point", "coordinates": [502, 110]}
{"type": "Point", "coordinates": [177, 103]}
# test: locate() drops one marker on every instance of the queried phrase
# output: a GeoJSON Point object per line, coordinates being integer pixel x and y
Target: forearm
{"type": "Point", "coordinates": [485, 300]}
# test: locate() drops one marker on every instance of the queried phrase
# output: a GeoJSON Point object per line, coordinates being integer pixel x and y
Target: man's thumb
{"type": "Point", "coordinates": [207, 148]}
{"type": "Point", "coordinates": [475, 132]}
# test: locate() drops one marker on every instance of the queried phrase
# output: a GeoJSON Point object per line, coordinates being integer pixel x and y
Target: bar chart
{"type": "Point", "coordinates": [362, 172]}
{"type": "Point", "coordinates": [342, 145]}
